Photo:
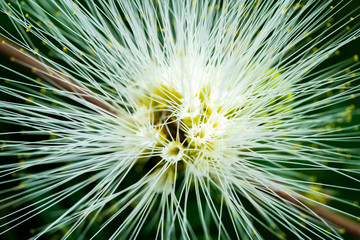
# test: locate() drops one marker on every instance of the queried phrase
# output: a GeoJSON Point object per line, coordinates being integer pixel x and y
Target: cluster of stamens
{"type": "Point", "coordinates": [180, 132]}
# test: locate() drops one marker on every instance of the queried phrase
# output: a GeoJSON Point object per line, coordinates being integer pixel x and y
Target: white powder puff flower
{"type": "Point", "coordinates": [193, 119]}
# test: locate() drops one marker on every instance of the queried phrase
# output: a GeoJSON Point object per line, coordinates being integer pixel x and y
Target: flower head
{"type": "Point", "coordinates": [178, 119]}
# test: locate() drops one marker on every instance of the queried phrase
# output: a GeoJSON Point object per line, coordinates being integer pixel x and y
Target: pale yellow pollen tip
{"type": "Point", "coordinates": [356, 58]}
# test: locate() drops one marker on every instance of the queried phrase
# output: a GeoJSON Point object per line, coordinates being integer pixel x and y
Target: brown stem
{"type": "Point", "coordinates": [29, 62]}
{"type": "Point", "coordinates": [352, 228]}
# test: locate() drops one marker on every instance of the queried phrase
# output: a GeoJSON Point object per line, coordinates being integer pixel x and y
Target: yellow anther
{"type": "Point", "coordinates": [2, 146]}
{"type": "Point", "coordinates": [282, 235]}
{"type": "Point", "coordinates": [43, 90]}
{"type": "Point", "coordinates": [312, 179]}
{"type": "Point", "coordinates": [296, 6]}
{"type": "Point", "coordinates": [356, 58]}
{"type": "Point", "coordinates": [29, 99]}
{"type": "Point", "coordinates": [12, 59]}
{"type": "Point", "coordinates": [21, 185]}
{"type": "Point", "coordinates": [348, 119]}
